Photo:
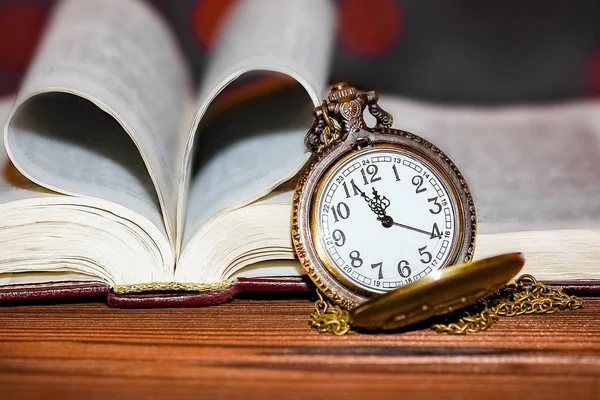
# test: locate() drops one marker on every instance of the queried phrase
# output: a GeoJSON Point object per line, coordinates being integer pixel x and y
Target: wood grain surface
{"type": "Point", "coordinates": [256, 349]}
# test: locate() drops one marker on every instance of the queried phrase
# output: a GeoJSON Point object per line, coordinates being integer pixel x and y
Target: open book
{"type": "Point", "coordinates": [118, 170]}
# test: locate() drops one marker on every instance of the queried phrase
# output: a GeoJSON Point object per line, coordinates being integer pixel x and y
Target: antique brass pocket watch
{"type": "Point", "coordinates": [378, 208]}
{"type": "Point", "coordinates": [376, 217]}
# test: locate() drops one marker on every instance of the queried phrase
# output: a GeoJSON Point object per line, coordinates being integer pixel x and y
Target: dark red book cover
{"type": "Point", "coordinates": [285, 286]}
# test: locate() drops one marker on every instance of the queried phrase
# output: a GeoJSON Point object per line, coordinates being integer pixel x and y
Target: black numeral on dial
{"type": "Point", "coordinates": [356, 261]}
{"type": "Point", "coordinates": [378, 265]}
{"type": "Point", "coordinates": [355, 189]}
{"type": "Point", "coordinates": [438, 206]}
{"type": "Point", "coordinates": [338, 237]}
{"type": "Point", "coordinates": [435, 232]}
{"type": "Point", "coordinates": [371, 170]}
{"type": "Point", "coordinates": [426, 255]}
{"type": "Point", "coordinates": [343, 211]}
{"type": "Point", "coordinates": [417, 180]}
{"type": "Point", "coordinates": [396, 173]}
{"type": "Point", "coordinates": [404, 269]}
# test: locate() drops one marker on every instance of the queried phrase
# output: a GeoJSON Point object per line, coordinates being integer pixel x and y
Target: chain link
{"type": "Point", "coordinates": [331, 132]}
{"type": "Point", "coordinates": [330, 318]}
{"type": "Point", "coordinates": [523, 296]}
{"type": "Point", "coordinates": [327, 137]}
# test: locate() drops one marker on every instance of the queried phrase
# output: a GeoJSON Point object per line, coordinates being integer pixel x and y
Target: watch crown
{"type": "Point", "coordinates": [341, 92]}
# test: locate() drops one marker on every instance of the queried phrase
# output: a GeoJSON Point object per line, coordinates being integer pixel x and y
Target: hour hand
{"type": "Point", "coordinates": [378, 204]}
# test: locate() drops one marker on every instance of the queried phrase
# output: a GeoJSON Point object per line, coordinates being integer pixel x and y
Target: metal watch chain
{"type": "Point", "coordinates": [523, 296]}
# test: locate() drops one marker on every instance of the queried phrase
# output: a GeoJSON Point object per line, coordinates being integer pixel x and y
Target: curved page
{"type": "Point", "coordinates": [65, 143]}
{"type": "Point", "coordinates": [245, 152]}
{"type": "Point", "coordinates": [293, 38]}
{"type": "Point", "coordinates": [48, 237]}
{"type": "Point", "coordinates": [118, 56]}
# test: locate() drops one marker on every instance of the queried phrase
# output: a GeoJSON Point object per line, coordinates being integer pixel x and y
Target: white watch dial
{"type": "Point", "coordinates": [386, 217]}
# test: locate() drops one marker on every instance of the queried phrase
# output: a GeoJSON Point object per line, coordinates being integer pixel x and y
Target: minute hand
{"type": "Point", "coordinates": [411, 228]}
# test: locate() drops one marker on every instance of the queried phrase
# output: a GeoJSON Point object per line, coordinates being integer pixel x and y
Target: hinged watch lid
{"type": "Point", "coordinates": [438, 293]}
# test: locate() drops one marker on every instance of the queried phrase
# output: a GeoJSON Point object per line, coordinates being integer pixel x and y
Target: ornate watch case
{"type": "Point", "coordinates": [371, 168]}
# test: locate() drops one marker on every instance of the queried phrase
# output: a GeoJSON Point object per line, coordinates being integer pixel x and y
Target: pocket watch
{"type": "Point", "coordinates": [377, 208]}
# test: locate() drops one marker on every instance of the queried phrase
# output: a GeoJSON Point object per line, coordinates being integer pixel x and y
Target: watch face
{"type": "Point", "coordinates": [384, 217]}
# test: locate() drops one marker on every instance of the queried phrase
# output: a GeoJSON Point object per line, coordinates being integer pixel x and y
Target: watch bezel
{"type": "Point", "coordinates": [304, 233]}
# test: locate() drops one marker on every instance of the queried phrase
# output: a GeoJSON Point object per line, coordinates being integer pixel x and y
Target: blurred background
{"type": "Point", "coordinates": [460, 51]}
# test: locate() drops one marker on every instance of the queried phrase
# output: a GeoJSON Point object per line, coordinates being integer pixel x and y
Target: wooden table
{"type": "Point", "coordinates": [262, 349]}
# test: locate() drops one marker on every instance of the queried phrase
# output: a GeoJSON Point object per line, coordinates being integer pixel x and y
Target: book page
{"type": "Point", "coordinates": [529, 168]}
{"type": "Point", "coordinates": [270, 269]}
{"type": "Point", "coordinates": [243, 154]}
{"type": "Point", "coordinates": [103, 163]}
{"type": "Point", "coordinates": [43, 277]}
{"type": "Point", "coordinates": [235, 239]}
{"type": "Point", "coordinates": [13, 185]}
{"type": "Point", "coordinates": [49, 237]}
{"type": "Point", "coordinates": [104, 59]}
{"type": "Point", "coordinates": [82, 235]}
{"type": "Point", "coordinates": [287, 37]}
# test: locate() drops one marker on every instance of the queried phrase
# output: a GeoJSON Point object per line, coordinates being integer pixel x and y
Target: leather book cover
{"type": "Point", "coordinates": [102, 292]}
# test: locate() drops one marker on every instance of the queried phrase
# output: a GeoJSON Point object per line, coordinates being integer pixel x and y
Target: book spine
{"type": "Point", "coordinates": [299, 286]}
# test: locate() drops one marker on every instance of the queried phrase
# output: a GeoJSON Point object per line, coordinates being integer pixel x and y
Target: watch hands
{"type": "Point", "coordinates": [411, 228]}
{"type": "Point", "coordinates": [378, 204]}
